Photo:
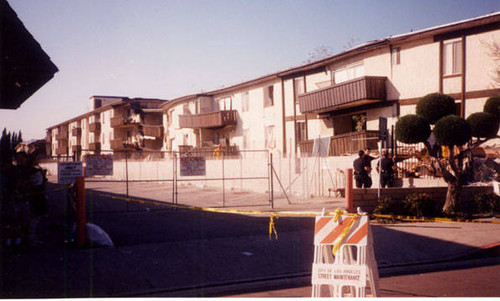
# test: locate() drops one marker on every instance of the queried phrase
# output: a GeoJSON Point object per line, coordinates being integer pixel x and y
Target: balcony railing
{"type": "Point", "coordinates": [76, 148]}
{"type": "Point", "coordinates": [95, 127]}
{"type": "Point", "coordinates": [120, 121]}
{"type": "Point", "coordinates": [212, 120]}
{"type": "Point", "coordinates": [355, 92]}
{"type": "Point", "coordinates": [75, 132]}
{"type": "Point", "coordinates": [348, 143]}
{"type": "Point", "coordinates": [153, 131]}
{"type": "Point", "coordinates": [62, 135]}
{"type": "Point", "coordinates": [95, 146]}
{"type": "Point", "coordinates": [121, 144]}
{"type": "Point", "coordinates": [61, 151]}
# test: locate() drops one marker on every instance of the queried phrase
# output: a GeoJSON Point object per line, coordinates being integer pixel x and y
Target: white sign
{"type": "Point", "coordinates": [193, 166]}
{"type": "Point", "coordinates": [337, 274]}
{"type": "Point", "coordinates": [67, 172]}
{"type": "Point", "coordinates": [98, 165]}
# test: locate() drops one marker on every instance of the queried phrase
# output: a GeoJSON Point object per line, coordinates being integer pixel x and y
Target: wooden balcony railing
{"type": "Point", "coordinates": [95, 127]}
{"type": "Point", "coordinates": [122, 144]}
{"type": "Point", "coordinates": [75, 132]}
{"type": "Point", "coordinates": [358, 91]}
{"type": "Point", "coordinates": [348, 143]}
{"type": "Point", "coordinates": [76, 148]}
{"type": "Point", "coordinates": [95, 146]}
{"type": "Point", "coordinates": [153, 131]}
{"type": "Point", "coordinates": [62, 135]}
{"type": "Point", "coordinates": [61, 151]}
{"type": "Point", "coordinates": [208, 120]}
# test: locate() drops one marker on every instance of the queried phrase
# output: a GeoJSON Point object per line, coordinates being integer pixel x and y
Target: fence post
{"type": "Point", "coordinates": [271, 183]}
{"type": "Point", "coordinates": [81, 219]}
{"type": "Point", "coordinates": [349, 191]}
{"type": "Point", "coordinates": [223, 183]}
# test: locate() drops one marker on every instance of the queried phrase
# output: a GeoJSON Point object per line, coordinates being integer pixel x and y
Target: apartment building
{"type": "Point", "coordinates": [112, 123]}
{"type": "Point", "coordinates": [341, 97]}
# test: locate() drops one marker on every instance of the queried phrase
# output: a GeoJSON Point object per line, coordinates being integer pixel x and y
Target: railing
{"type": "Point", "coordinates": [208, 120]}
{"type": "Point", "coordinates": [61, 151]}
{"type": "Point", "coordinates": [76, 148]}
{"type": "Point", "coordinates": [343, 144]}
{"type": "Point", "coordinates": [368, 89]}
{"type": "Point", "coordinates": [153, 130]}
{"type": "Point", "coordinates": [95, 127]}
{"type": "Point", "coordinates": [76, 132]}
{"type": "Point", "coordinates": [121, 144]}
{"type": "Point", "coordinates": [95, 146]}
{"type": "Point", "coordinates": [62, 135]}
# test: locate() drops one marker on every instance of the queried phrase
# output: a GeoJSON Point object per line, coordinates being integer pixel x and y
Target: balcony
{"type": "Point", "coordinates": [356, 92]}
{"type": "Point", "coordinates": [153, 131]}
{"type": "Point", "coordinates": [76, 148]}
{"type": "Point", "coordinates": [347, 143]}
{"type": "Point", "coordinates": [75, 132]}
{"type": "Point", "coordinates": [212, 120]}
{"type": "Point", "coordinates": [95, 146]}
{"type": "Point", "coordinates": [120, 121]}
{"type": "Point", "coordinates": [121, 144]}
{"type": "Point", "coordinates": [62, 135]}
{"type": "Point", "coordinates": [95, 127]}
{"type": "Point", "coordinates": [61, 151]}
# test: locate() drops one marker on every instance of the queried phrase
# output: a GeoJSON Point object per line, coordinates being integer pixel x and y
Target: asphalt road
{"type": "Point", "coordinates": [161, 251]}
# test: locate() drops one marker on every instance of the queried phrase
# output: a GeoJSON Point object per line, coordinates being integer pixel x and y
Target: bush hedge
{"type": "Point", "coordinates": [435, 106]}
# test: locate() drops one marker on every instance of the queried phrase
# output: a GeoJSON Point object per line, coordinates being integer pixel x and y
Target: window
{"type": "Point", "coordinates": [269, 96]}
{"type": "Point", "coordinates": [348, 73]}
{"type": "Point", "coordinates": [396, 56]}
{"type": "Point", "coordinates": [452, 58]}
{"type": "Point", "coordinates": [300, 130]}
{"type": "Point", "coordinates": [270, 141]}
{"type": "Point", "coordinates": [245, 101]}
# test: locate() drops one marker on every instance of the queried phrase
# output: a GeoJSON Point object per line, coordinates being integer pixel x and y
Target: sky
{"type": "Point", "coordinates": [167, 49]}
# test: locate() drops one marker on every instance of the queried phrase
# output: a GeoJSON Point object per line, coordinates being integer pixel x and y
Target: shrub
{"type": "Point", "coordinates": [412, 129]}
{"type": "Point", "coordinates": [483, 125]}
{"type": "Point", "coordinates": [435, 106]}
{"type": "Point", "coordinates": [421, 205]}
{"type": "Point", "coordinates": [389, 206]}
{"type": "Point", "coordinates": [452, 130]}
{"type": "Point", "coordinates": [486, 203]}
{"type": "Point", "coordinates": [492, 106]}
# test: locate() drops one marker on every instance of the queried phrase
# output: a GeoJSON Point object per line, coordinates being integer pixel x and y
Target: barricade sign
{"type": "Point", "coordinates": [344, 261]}
{"type": "Point", "coordinates": [67, 172]}
{"type": "Point", "coordinates": [98, 165]}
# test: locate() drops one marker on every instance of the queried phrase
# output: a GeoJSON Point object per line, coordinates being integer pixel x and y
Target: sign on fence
{"type": "Point", "coordinates": [98, 165]}
{"type": "Point", "coordinates": [193, 166]}
{"type": "Point", "coordinates": [67, 172]}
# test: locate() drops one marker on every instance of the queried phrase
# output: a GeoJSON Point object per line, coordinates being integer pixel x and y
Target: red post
{"type": "Point", "coordinates": [81, 218]}
{"type": "Point", "coordinates": [349, 205]}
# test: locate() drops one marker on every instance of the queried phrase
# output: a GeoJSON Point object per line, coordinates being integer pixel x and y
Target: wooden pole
{"type": "Point", "coordinates": [349, 191]}
{"type": "Point", "coordinates": [81, 217]}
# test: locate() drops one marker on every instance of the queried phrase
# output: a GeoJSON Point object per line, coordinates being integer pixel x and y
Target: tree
{"type": "Point", "coordinates": [8, 143]}
{"type": "Point", "coordinates": [435, 115]}
{"type": "Point", "coordinates": [319, 53]}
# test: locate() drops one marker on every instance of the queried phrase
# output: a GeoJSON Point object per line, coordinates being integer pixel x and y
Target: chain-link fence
{"type": "Point", "coordinates": [220, 179]}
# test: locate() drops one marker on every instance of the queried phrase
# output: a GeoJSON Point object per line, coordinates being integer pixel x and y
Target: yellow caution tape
{"type": "Point", "coordinates": [344, 233]}
{"type": "Point", "coordinates": [272, 228]}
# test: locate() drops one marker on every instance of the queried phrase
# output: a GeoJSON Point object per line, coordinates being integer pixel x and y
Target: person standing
{"type": "Point", "coordinates": [368, 167]}
{"type": "Point", "coordinates": [386, 170]}
{"type": "Point", "coordinates": [360, 173]}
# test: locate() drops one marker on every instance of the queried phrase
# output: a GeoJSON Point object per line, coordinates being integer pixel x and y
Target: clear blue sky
{"type": "Point", "coordinates": [167, 49]}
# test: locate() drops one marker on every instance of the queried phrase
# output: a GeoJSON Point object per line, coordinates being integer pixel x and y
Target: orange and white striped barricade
{"type": "Point", "coordinates": [344, 261]}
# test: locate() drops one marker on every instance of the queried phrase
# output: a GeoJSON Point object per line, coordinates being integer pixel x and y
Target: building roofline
{"type": "Point", "coordinates": [371, 45]}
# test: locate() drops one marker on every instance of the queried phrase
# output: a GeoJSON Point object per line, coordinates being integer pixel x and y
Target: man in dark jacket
{"type": "Point", "coordinates": [360, 173]}
{"type": "Point", "coordinates": [386, 170]}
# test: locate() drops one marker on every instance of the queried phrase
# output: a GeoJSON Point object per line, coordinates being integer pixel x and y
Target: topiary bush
{"type": "Point", "coordinates": [435, 106]}
{"type": "Point", "coordinates": [492, 106]}
{"type": "Point", "coordinates": [412, 129]}
{"type": "Point", "coordinates": [452, 130]}
{"type": "Point", "coordinates": [483, 125]}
